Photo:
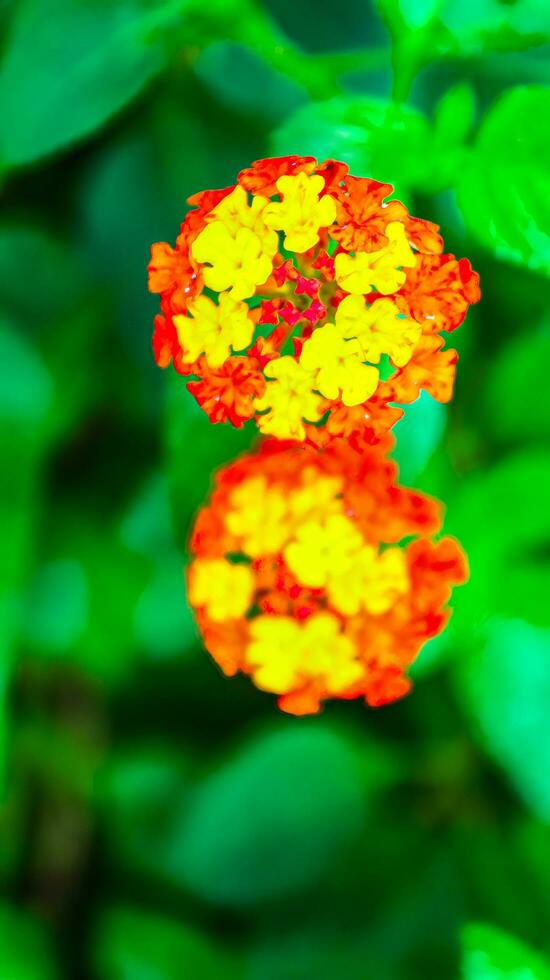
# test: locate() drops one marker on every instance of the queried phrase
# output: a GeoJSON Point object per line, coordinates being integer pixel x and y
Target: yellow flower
{"type": "Point", "coordinates": [376, 582]}
{"type": "Point", "coordinates": [237, 245]}
{"type": "Point", "coordinates": [258, 515]}
{"type": "Point", "coordinates": [282, 653]}
{"type": "Point", "coordinates": [274, 652]}
{"type": "Point", "coordinates": [337, 366]}
{"type": "Point", "coordinates": [328, 654]}
{"type": "Point", "coordinates": [322, 550]}
{"type": "Point", "coordinates": [224, 590]}
{"type": "Point", "coordinates": [317, 496]}
{"type": "Point", "coordinates": [382, 270]}
{"type": "Point", "coordinates": [386, 580]}
{"type": "Point", "coordinates": [301, 213]}
{"type": "Point", "coordinates": [213, 329]}
{"type": "Point", "coordinates": [289, 398]}
{"type": "Point", "coordinates": [237, 262]}
{"type": "Point", "coordinates": [235, 213]}
{"type": "Point", "coordinates": [380, 329]}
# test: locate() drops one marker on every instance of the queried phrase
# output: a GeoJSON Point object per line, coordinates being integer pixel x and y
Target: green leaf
{"type": "Point", "coordinates": [484, 25]}
{"type": "Point", "coordinates": [138, 791]}
{"type": "Point", "coordinates": [511, 413]}
{"type": "Point", "coordinates": [194, 449]}
{"type": "Point", "coordinates": [147, 527]}
{"type": "Point", "coordinates": [163, 622]}
{"type": "Point", "coordinates": [490, 954]}
{"type": "Point", "coordinates": [59, 279]}
{"type": "Point", "coordinates": [133, 945]}
{"type": "Point", "coordinates": [58, 601]}
{"type": "Point", "coordinates": [106, 581]}
{"type": "Point", "coordinates": [271, 820]}
{"type": "Point", "coordinates": [403, 15]}
{"type": "Point", "coordinates": [25, 383]}
{"type": "Point", "coordinates": [380, 139]}
{"type": "Point", "coordinates": [89, 59]}
{"type": "Point", "coordinates": [499, 517]}
{"type": "Point", "coordinates": [25, 951]}
{"type": "Point", "coordinates": [503, 189]}
{"type": "Point", "coordinates": [454, 114]}
{"type": "Point", "coordinates": [418, 434]}
{"type": "Point", "coordinates": [242, 81]}
{"type": "Point", "coordinates": [506, 688]}
{"type": "Point", "coordinates": [26, 395]}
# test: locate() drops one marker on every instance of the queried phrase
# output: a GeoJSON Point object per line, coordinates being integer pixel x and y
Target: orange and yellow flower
{"type": "Point", "coordinates": [316, 574]}
{"type": "Point", "coordinates": [284, 292]}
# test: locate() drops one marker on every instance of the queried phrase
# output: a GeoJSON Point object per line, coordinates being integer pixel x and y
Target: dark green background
{"type": "Point", "coordinates": [157, 821]}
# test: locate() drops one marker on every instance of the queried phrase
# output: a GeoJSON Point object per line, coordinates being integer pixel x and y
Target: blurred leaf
{"type": "Point", "coordinates": [506, 687]}
{"type": "Point", "coordinates": [195, 449]}
{"type": "Point", "coordinates": [271, 820]}
{"type": "Point", "coordinates": [516, 371]}
{"type": "Point", "coordinates": [138, 791]}
{"type": "Point", "coordinates": [147, 528]}
{"type": "Point", "coordinates": [454, 114]}
{"type": "Point", "coordinates": [239, 79]}
{"type": "Point", "coordinates": [415, 14]}
{"type": "Point", "coordinates": [481, 25]}
{"type": "Point", "coordinates": [58, 601]}
{"type": "Point", "coordinates": [61, 315]}
{"type": "Point", "coordinates": [88, 60]}
{"type": "Point", "coordinates": [418, 434]}
{"type": "Point", "coordinates": [25, 384]}
{"type": "Point", "coordinates": [503, 189]}
{"type": "Point", "coordinates": [133, 945]}
{"type": "Point", "coordinates": [124, 210]}
{"type": "Point", "coordinates": [164, 624]}
{"type": "Point", "coordinates": [26, 393]}
{"type": "Point", "coordinates": [435, 654]}
{"type": "Point", "coordinates": [503, 525]}
{"type": "Point", "coordinates": [58, 276]}
{"type": "Point", "coordinates": [25, 951]}
{"type": "Point", "coordinates": [105, 583]}
{"type": "Point", "coordinates": [376, 138]}
{"type": "Point", "coordinates": [346, 26]}
{"type": "Point", "coordinates": [490, 954]}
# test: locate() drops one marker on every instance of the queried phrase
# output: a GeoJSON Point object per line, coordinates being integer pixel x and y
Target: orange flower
{"type": "Point", "coordinates": [262, 176]}
{"type": "Point", "coordinates": [317, 296]}
{"type": "Point", "coordinates": [227, 393]}
{"type": "Point", "coordinates": [438, 291]}
{"type": "Point", "coordinates": [430, 369]}
{"type": "Point", "coordinates": [315, 573]}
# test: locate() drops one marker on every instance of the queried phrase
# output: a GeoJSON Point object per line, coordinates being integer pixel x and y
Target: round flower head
{"type": "Point", "coordinates": [302, 298]}
{"type": "Point", "coordinates": [315, 573]}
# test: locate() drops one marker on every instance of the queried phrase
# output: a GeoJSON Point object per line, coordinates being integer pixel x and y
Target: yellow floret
{"type": "Point", "coordinates": [380, 329]}
{"type": "Point", "coordinates": [337, 366]}
{"type": "Point", "coordinates": [238, 262]}
{"type": "Point", "coordinates": [224, 590]}
{"type": "Point", "coordinates": [289, 400]}
{"type": "Point", "coordinates": [381, 271]}
{"type": "Point", "coordinates": [377, 581]}
{"type": "Point", "coordinates": [274, 652]}
{"type": "Point", "coordinates": [213, 329]}
{"type": "Point", "coordinates": [259, 517]}
{"type": "Point", "coordinates": [285, 654]}
{"type": "Point", "coordinates": [322, 550]}
{"type": "Point", "coordinates": [317, 496]}
{"type": "Point", "coordinates": [301, 213]}
{"type": "Point", "coordinates": [329, 654]}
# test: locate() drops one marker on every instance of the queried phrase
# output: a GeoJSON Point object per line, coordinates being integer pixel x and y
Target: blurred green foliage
{"type": "Point", "coordinates": [158, 822]}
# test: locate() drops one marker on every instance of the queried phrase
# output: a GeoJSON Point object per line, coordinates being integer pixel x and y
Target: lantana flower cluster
{"type": "Point", "coordinates": [304, 299]}
{"type": "Point", "coordinates": [316, 574]}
